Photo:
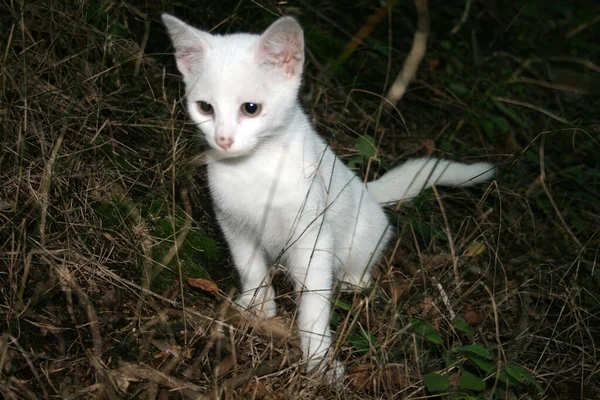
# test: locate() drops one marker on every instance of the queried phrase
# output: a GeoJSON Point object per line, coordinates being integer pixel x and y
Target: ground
{"type": "Point", "coordinates": [115, 279]}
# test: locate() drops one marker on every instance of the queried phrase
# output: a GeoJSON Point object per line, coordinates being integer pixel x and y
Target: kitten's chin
{"type": "Point", "coordinates": [232, 152]}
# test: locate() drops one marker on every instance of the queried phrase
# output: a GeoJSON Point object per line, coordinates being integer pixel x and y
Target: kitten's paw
{"type": "Point", "coordinates": [259, 309]}
{"type": "Point", "coordinates": [331, 371]}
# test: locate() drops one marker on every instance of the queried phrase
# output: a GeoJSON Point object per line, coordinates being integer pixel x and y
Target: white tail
{"type": "Point", "coordinates": [412, 177]}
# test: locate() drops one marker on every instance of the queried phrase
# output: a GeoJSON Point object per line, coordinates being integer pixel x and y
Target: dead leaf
{"type": "Point", "coordinates": [377, 378]}
{"type": "Point", "coordinates": [225, 366]}
{"type": "Point", "coordinates": [172, 292]}
{"type": "Point", "coordinates": [432, 63]}
{"type": "Point", "coordinates": [474, 249]}
{"type": "Point", "coordinates": [438, 260]}
{"type": "Point", "coordinates": [205, 284]}
{"type": "Point", "coordinates": [398, 290]}
{"type": "Point", "coordinates": [256, 388]}
{"type": "Point", "coordinates": [459, 125]}
{"type": "Point", "coordinates": [429, 146]}
{"type": "Point", "coordinates": [471, 316]}
{"type": "Point", "coordinates": [361, 377]}
{"type": "Point", "coordinates": [512, 144]}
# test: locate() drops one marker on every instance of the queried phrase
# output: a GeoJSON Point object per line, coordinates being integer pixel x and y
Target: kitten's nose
{"type": "Point", "coordinates": [224, 141]}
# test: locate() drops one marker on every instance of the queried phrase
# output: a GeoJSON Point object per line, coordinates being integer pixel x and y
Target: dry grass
{"type": "Point", "coordinates": [98, 232]}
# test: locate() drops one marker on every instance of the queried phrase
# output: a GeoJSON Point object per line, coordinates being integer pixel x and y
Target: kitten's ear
{"type": "Point", "coordinates": [190, 43]}
{"type": "Point", "coordinates": [282, 45]}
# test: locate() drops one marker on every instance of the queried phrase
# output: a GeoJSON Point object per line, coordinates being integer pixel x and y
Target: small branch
{"type": "Point", "coordinates": [444, 296]}
{"type": "Point", "coordinates": [499, 354]}
{"type": "Point", "coordinates": [581, 61]}
{"type": "Point", "coordinates": [265, 368]}
{"type": "Point", "coordinates": [363, 33]}
{"type": "Point", "coordinates": [463, 18]}
{"type": "Point", "coordinates": [547, 191]}
{"type": "Point", "coordinates": [533, 107]}
{"type": "Point", "coordinates": [133, 371]}
{"type": "Point", "coordinates": [549, 85]}
{"type": "Point", "coordinates": [417, 52]}
{"type": "Point", "coordinates": [582, 27]}
{"type": "Point", "coordinates": [457, 276]}
{"type": "Point", "coordinates": [45, 187]}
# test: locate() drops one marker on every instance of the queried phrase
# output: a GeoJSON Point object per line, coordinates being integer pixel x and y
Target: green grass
{"type": "Point", "coordinates": [490, 292]}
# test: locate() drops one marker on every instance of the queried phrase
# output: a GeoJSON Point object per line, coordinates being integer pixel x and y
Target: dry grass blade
{"type": "Point", "coordinates": [133, 371]}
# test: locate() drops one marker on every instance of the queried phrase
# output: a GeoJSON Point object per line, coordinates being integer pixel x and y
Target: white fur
{"type": "Point", "coordinates": [279, 191]}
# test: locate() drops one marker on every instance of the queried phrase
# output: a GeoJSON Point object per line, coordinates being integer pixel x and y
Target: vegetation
{"type": "Point", "coordinates": [115, 280]}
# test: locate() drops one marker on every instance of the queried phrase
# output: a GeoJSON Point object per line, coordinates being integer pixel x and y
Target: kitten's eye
{"type": "Point", "coordinates": [251, 109]}
{"type": "Point", "coordinates": [205, 108]}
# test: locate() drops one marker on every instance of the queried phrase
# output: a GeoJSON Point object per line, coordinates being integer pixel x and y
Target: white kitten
{"type": "Point", "coordinates": [279, 191]}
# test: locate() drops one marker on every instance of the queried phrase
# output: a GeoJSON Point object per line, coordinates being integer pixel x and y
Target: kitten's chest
{"type": "Point", "coordinates": [256, 192]}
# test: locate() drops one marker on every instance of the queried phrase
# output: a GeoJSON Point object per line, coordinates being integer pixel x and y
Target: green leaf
{"type": "Point", "coordinates": [435, 382]}
{"type": "Point", "coordinates": [334, 319]}
{"type": "Point", "coordinates": [458, 88]}
{"type": "Point", "coordinates": [365, 145]}
{"type": "Point", "coordinates": [469, 381]}
{"type": "Point", "coordinates": [450, 359]}
{"type": "Point", "coordinates": [363, 341]}
{"type": "Point", "coordinates": [341, 304]}
{"type": "Point", "coordinates": [422, 229]}
{"type": "Point", "coordinates": [532, 156]}
{"type": "Point", "coordinates": [461, 325]}
{"type": "Point", "coordinates": [500, 122]}
{"type": "Point", "coordinates": [593, 171]}
{"type": "Point", "coordinates": [474, 349]}
{"type": "Point", "coordinates": [521, 374]}
{"type": "Point", "coordinates": [488, 128]}
{"type": "Point", "coordinates": [446, 45]}
{"type": "Point", "coordinates": [425, 330]}
{"type": "Point", "coordinates": [483, 364]}
{"type": "Point", "coordinates": [355, 162]}
{"type": "Point", "coordinates": [509, 112]}
{"type": "Point", "coordinates": [507, 379]}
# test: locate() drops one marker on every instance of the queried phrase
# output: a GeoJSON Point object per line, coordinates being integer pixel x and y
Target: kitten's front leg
{"type": "Point", "coordinates": [313, 274]}
{"type": "Point", "coordinates": [257, 295]}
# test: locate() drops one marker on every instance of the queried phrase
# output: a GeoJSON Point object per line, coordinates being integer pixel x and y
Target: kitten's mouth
{"type": "Point", "coordinates": [228, 152]}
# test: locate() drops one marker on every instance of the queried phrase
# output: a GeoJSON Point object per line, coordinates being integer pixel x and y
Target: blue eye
{"type": "Point", "coordinates": [205, 108]}
{"type": "Point", "coordinates": [251, 109]}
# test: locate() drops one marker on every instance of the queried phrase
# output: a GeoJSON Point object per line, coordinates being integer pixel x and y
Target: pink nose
{"type": "Point", "coordinates": [224, 142]}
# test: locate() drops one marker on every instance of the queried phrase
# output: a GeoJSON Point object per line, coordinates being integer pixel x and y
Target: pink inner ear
{"type": "Point", "coordinates": [283, 51]}
{"type": "Point", "coordinates": [186, 56]}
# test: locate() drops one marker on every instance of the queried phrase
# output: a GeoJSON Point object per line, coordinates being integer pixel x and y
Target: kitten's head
{"type": "Point", "coordinates": [240, 88]}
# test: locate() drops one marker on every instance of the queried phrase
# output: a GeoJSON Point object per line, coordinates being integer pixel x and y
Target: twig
{"type": "Point", "coordinates": [582, 61]}
{"type": "Point", "coordinates": [417, 52]}
{"type": "Point", "coordinates": [11, 340]}
{"type": "Point", "coordinates": [463, 18]}
{"type": "Point", "coordinates": [138, 62]}
{"type": "Point", "coordinates": [363, 33]}
{"type": "Point", "coordinates": [582, 27]}
{"type": "Point", "coordinates": [543, 183]}
{"type": "Point", "coordinates": [444, 296]}
{"type": "Point", "coordinates": [265, 368]}
{"type": "Point", "coordinates": [533, 107]}
{"type": "Point", "coordinates": [145, 372]}
{"type": "Point", "coordinates": [555, 86]}
{"type": "Point", "coordinates": [457, 277]}
{"type": "Point", "coordinates": [499, 342]}
{"type": "Point", "coordinates": [45, 187]}
{"type": "Point", "coordinates": [6, 53]}
{"type": "Point", "coordinates": [183, 232]}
